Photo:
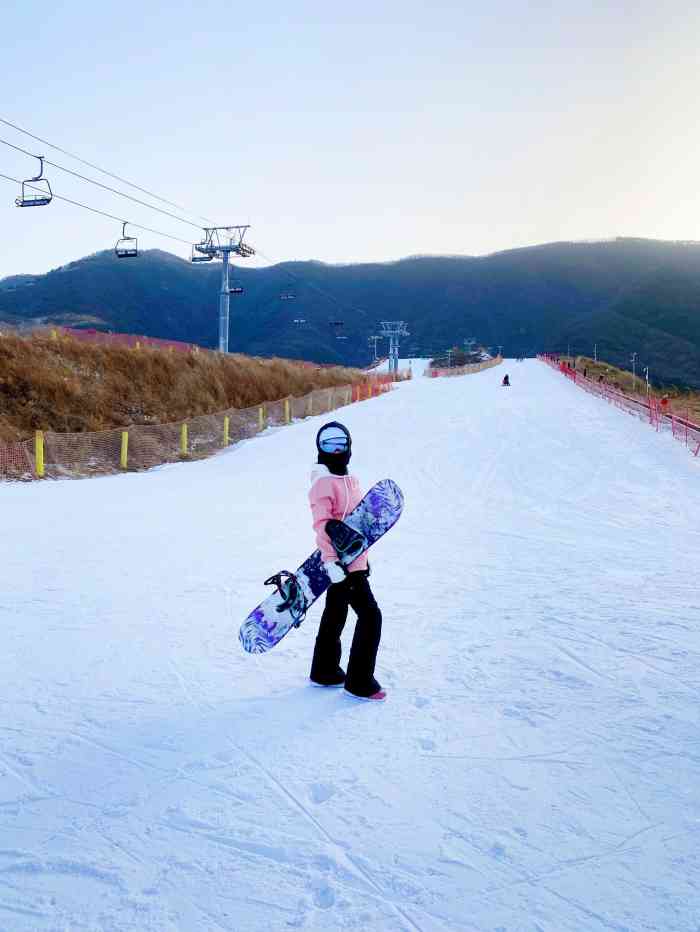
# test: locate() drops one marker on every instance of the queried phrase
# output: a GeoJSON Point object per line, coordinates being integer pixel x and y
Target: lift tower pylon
{"type": "Point", "coordinates": [214, 245]}
{"type": "Point", "coordinates": [393, 329]}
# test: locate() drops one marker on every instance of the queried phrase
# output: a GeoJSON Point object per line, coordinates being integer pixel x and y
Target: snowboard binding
{"type": "Point", "coordinates": [347, 542]}
{"type": "Point", "coordinates": [292, 595]}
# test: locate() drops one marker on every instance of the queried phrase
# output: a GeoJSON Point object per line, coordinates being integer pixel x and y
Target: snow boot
{"type": "Point", "coordinates": [379, 696]}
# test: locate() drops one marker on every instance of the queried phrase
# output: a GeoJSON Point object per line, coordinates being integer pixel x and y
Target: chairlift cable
{"type": "Point", "coordinates": [102, 213]}
{"type": "Point", "coordinates": [104, 171]}
{"type": "Point", "coordinates": [100, 185]}
{"type": "Point", "coordinates": [310, 284]}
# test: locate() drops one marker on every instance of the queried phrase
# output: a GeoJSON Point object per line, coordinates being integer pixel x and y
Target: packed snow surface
{"type": "Point", "coordinates": [535, 767]}
{"type": "Point", "coordinates": [416, 365]}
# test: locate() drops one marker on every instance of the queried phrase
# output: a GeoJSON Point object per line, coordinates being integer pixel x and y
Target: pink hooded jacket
{"type": "Point", "coordinates": [333, 497]}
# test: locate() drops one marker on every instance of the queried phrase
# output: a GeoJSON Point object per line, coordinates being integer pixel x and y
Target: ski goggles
{"type": "Point", "coordinates": [336, 443]}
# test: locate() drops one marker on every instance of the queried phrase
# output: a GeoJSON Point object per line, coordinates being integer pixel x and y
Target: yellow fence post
{"type": "Point", "coordinates": [39, 453]}
{"type": "Point", "coordinates": [286, 411]}
{"type": "Point", "coordinates": [226, 426]}
{"type": "Point", "coordinates": [261, 417]}
{"type": "Point", "coordinates": [54, 334]}
{"type": "Point", "coordinates": [124, 453]}
{"type": "Point", "coordinates": [183, 440]}
{"type": "Point", "coordinates": [138, 344]}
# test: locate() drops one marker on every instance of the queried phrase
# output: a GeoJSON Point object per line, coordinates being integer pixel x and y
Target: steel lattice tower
{"type": "Point", "coordinates": [392, 330]}
{"type": "Point", "coordinates": [212, 246]}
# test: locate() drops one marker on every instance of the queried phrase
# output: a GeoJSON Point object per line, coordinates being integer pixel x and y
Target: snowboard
{"type": "Point", "coordinates": [296, 592]}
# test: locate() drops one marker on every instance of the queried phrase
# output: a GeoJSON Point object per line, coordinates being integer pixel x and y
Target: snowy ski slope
{"type": "Point", "coordinates": [417, 365]}
{"type": "Point", "coordinates": [537, 763]}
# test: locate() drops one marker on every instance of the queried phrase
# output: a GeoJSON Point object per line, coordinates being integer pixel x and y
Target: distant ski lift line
{"type": "Point", "coordinates": [103, 171]}
{"type": "Point", "coordinates": [102, 213]}
{"type": "Point", "coordinates": [97, 184]}
{"type": "Point", "coordinates": [313, 286]}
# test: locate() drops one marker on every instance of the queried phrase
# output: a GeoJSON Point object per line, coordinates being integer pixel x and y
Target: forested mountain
{"type": "Point", "coordinates": [625, 295]}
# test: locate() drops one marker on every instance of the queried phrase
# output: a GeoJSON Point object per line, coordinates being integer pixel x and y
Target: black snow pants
{"type": "Point", "coordinates": [352, 592]}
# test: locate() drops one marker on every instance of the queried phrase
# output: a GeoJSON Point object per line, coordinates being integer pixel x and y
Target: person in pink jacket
{"type": "Point", "coordinates": [333, 494]}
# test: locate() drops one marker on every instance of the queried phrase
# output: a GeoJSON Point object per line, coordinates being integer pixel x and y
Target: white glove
{"type": "Point", "coordinates": [336, 573]}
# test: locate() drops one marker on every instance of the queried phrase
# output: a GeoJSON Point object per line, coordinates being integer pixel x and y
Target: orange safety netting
{"type": "Point", "coordinates": [463, 370]}
{"type": "Point", "coordinates": [648, 407]}
{"type": "Point", "coordinates": [146, 445]}
{"type": "Point", "coordinates": [16, 460]}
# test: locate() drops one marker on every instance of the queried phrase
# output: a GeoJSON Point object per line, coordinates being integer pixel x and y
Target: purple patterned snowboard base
{"type": "Point", "coordinates": [378, 511]}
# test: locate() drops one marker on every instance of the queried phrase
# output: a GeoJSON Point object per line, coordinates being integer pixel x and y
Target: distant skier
{"type": "Point", "coordinates": [334, 494]}
{"type": "Point", "coordinates": [506, 380]}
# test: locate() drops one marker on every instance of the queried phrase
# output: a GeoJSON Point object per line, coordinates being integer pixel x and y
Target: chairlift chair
{"type": "Point", "coordinates": [336, 326]}
{"type": "Point", "coordinates": [199, 256]}
{"type": "Point", "coordinates": [287, 296]}
{"type": "Point", "coordinates": [126, 247]}
{"type": "Point", "coordinates": [208, 247]}
{"type": "Point", "coordinates": [235, 289]}
{"type": "Point", "coordinates": [42, 196]}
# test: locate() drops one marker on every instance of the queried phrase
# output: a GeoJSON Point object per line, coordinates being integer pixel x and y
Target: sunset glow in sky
{"type": "Point", "coordinates": [374, 132]}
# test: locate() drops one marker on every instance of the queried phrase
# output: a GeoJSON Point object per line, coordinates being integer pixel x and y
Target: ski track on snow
{"type": "Point", "coordinates": [537, 763]}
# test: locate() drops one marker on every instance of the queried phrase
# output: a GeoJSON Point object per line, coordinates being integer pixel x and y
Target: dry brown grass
{"type": "Point", "coordinates": [683, 403]}
{"type": "Point", "coordinates": [65, 385]}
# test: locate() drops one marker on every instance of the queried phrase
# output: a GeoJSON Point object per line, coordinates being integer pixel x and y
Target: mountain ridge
{"type": "Point", "coordinates": [626, 295]}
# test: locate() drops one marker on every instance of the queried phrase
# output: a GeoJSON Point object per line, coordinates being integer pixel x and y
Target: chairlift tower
{"type": "Point", "coordinates": [392, 330]}
{"type": "Point", "coordinates": [373, 340]}
{"type": "Point", "coordinates": [214, 245]}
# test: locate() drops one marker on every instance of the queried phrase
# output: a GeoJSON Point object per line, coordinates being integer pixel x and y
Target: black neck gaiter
{"type": "Point", "coordinates": [337, 463]}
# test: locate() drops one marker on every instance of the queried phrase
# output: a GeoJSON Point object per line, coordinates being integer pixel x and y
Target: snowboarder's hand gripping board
{"type": "Point", "coordinates": [294, 593]}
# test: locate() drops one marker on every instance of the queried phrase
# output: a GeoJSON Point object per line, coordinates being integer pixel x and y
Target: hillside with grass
{"type": "Point", "coordinates": [683, 402]}
{"type": "Point", "coordinates": [66, 385]}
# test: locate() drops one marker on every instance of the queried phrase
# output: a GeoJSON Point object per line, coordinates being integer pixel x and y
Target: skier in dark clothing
{"type": "Point", "coordinates": [333, 494]}
{"type": "Point", "coordinates": [506, 380]}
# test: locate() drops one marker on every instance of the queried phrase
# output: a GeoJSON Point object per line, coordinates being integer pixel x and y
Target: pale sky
{"type": "Point", "coordinates": [355, 132]}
